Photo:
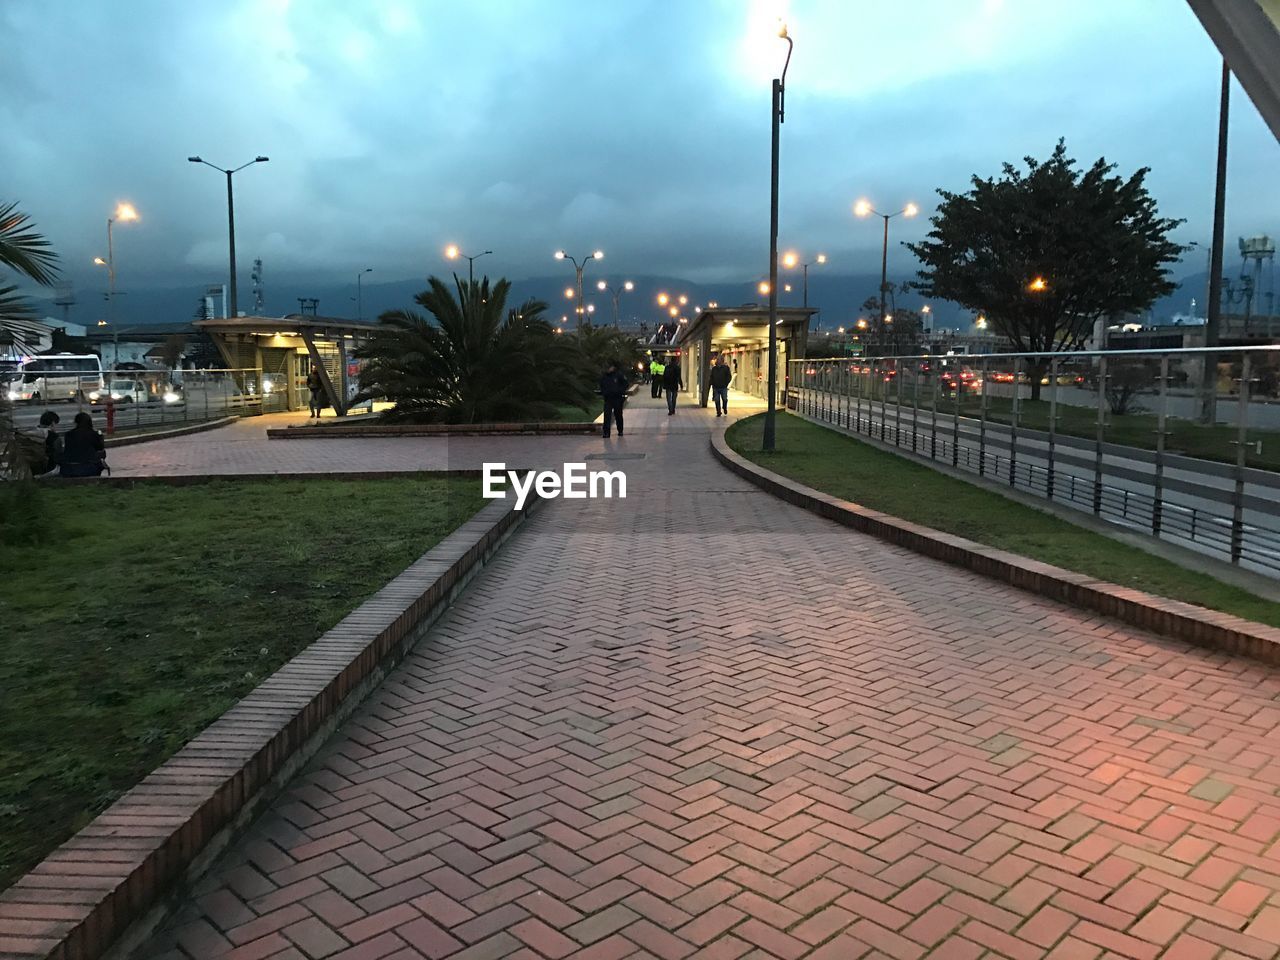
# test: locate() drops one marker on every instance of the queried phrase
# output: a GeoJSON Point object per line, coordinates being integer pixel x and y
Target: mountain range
{"type": "Point", "coordinates": [838, 296]}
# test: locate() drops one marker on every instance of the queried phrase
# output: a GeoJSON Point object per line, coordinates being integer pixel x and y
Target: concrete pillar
{"type": "Point", "coordinates": [704, 367]}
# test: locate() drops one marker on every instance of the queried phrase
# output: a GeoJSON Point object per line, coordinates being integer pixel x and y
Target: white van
{"type": "Point", "coordinates": [57, 376]}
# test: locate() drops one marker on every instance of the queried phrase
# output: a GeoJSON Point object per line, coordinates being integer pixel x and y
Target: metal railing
{"type": "Point", "coordinates": [129, 400]}
{"type": "Point", "coordinates": [1183, 445]}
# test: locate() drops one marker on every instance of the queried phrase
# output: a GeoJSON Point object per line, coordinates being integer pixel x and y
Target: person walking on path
{"type": "Point", "coordinates": [721, 376]}
{"type": "Point", "coordinates": [655, 377]}
{"type": "Point", "coordinates": [317, 389]}
{"type": "Point", "coordinates": [672, 382]}
{"type": "Point", "coordinates": [613, 387]}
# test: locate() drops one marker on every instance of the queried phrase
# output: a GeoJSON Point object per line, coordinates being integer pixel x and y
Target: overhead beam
{"type": "Point", "coordinates": [1247, 34]}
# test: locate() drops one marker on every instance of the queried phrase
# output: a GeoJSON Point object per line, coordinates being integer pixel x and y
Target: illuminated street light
{"type": "Point", "coordinates": [452, 252]}
{"type": "Point", "coordinates": [862, 209]}
{"type": "Point", "coordinates": [126, 213]}
{"type": "Point", "coordinates": [616, 294]}
{"type": "Point", "coordinates": [1037, 285]}
{"type": "Point", "coordinates": [777, 116]}
{"type": "Point", "coordinates": [568, 293]}
{"type": "Point", "coordinates": [578, 268]}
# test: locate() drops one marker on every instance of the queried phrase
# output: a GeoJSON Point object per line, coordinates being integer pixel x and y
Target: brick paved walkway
{"type": "Point", "coordinates": [703, 723]}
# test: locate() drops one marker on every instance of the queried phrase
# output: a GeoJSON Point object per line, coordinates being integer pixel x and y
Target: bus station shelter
{"type": "Point", "coordinates": [286, 349]}
{"type": "Point", "coordinates": [741, 335]}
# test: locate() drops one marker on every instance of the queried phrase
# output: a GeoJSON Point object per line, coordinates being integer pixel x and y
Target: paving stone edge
{"type": "Point", "coordinates": [129, 439]}
{"type": "Point", "coordinates": [106, 889]}
{"type": "Point", "coordinates": [551, 428]}
{"type": "Point", "coordinates": [1169, 618]}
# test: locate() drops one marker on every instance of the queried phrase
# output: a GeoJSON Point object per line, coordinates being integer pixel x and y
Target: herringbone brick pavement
{"type": "Point", "coordinates": [700, 723]}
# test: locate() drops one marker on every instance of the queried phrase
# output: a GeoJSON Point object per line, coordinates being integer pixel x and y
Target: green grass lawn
{"type": "Point", "coordinates": [568, 413]}
{"type": "Point", "coordinates": [852, 470]}
{"type": "Point", "coordinates": [142, 614]}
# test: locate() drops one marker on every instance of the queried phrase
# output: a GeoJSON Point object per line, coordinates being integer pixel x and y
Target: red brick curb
{"type": "Point", "coordinates": [551, 428]}
{"type": "Point", "coordinates": [132, 438]}
{"type": "Point", "coordinates": [156, 839]}
{"type": "Point", "coordinates": [1170, 618]}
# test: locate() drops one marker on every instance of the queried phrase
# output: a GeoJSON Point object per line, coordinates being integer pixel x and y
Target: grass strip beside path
{"type": "Point", "coordinates": [847, 468]}
{"type": "Point", "coordinates": [141, 614]}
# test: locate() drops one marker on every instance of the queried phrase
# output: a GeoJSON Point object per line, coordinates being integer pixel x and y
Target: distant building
{"type": "Point", "coordinates": [21, 338]}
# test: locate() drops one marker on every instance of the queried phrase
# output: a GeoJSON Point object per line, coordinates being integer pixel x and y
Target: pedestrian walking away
{"type": "Point", "coordinates": [655, 377]}
{"type": "Point", "coordinates": [672, 382]}
{"type": "Point", "coordinates": [721, 377]}
{"type": "Point", "coordinates": [613, 388]}
{"type": "Point", "coordinates": [316, 387]}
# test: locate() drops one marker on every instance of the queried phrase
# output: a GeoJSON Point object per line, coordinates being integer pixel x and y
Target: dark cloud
{"type": "Point", "coordinates": [640, 126]}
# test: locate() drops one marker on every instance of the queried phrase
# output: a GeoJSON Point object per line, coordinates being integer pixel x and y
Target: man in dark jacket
{"type": "Point", "coordinates": [720, 377]}
{"type": "Point", "coordinates": [613, 387]}
{"type": "Point", "coordinates": [672, 382]}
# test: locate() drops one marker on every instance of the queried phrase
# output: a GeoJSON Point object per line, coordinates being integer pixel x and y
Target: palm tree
{"type": "Point", "coordinates": [473, 361]}
{"type": "Point", "coordinates": [24, 250]}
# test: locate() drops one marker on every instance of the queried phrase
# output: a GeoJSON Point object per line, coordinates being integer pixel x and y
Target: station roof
{"type": "Point", "coordinates": [750, 321]}
{"type": "Point", "coordinates": [290, 323]}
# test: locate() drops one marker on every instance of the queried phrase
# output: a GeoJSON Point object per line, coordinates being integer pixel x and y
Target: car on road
{"type": "Point", "coordinates": [122, 391]}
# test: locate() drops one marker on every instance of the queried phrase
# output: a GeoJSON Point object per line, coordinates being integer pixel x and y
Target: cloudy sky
{"type": "Point", "coordinates": [638, 126]}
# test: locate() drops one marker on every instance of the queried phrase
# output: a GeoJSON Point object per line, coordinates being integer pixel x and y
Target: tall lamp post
{"type": "Point", "coordinates": [862, 208]}
{"type": "Point", "coordinates": [452, 252]}
{"type": "Point", "coordinates": [125, 213]}
{"type": "Point", "coordinates": [231, 221]}
{"type": "Point", "coordinates": [577, 269]}
{"type": "Point", "coordinates": [1213, 309]}
{"type": "Point", "coordinates": [616, 293]}
{"type": "Point", "coordinates": [360, 292]}
{"type": "Point", "coordinates": [778, 111]}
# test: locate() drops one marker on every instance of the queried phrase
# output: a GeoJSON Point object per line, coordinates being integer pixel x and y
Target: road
{"type": "Point", "coordinates": [196, 404]}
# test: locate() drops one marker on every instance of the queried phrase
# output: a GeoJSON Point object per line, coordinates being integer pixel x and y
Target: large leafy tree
{"type": "Point", "coordinates": [469, 359]}
{"type": "Point", "coordinates": [28, 253]}
{"type": "Point", "coordinates": [1047, 252]}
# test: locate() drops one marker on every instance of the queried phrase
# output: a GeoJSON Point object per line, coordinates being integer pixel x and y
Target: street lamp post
{"type": "Point", "coordinates": [616, 293]}
{"type": "Point", "coordinates": [231, 221]}
{"type": "Point", "coordinates": [125, 213]}
{"type": "Point", "coordinates": [778, 111]}
{"type": "Point", "coordinates": [452, 252]}
{"type": "Point", "coordinates": [577, 269]}
{"type": "Point", "coordinates": [792, 259]}
{"type": "Point", "coordinates": [360, 292]}
{"type": "Point", "coordinates": [862, 208]}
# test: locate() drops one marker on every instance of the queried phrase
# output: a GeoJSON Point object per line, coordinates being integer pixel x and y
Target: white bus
{"type": "Point", "coordinates": [56, 376]}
